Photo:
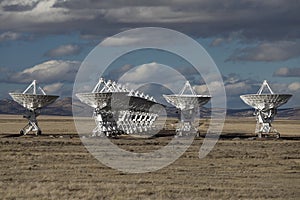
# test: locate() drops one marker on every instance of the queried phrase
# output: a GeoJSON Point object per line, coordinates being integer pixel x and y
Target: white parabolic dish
{"type": "Point", "coordinates": [185, 101]}
{"type": "Point", "coordinates": [265, 101]}
{"type": "Point", "coordinates": [116, 101]}
{"type": "Point", "coordinates": [33, 101]}
{"type": "Point", "coordinates": [101, 100]}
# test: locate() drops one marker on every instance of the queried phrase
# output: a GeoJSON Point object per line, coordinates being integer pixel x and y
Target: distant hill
{"type": "Point", "coordinates": [59, 107]}
{"type": "Point", "coordinates": [63, 107]}
{"type": "Point", "coordinates": [290, 113]}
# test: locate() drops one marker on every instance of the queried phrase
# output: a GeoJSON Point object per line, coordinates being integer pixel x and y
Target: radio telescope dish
{"type": "Point", "coordinates": [118, 110]}
{"type": "Point", "coordinates": [265, 105]}
{"type": "Point", "coordinates": [189, 105]}
{"type": "Point", "coordinates": [33, 103]}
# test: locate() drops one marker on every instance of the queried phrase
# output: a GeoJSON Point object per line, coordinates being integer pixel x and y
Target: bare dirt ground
{"type": "Point", "coordinates": [56, 165]}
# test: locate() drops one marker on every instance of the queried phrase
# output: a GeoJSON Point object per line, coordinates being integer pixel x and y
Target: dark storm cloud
{"type": "Point", "coordinates": [255, 19]}
{"type": "Point", "coordinates": [268, 52]}
{"type": "Point", "coordinates": [18, 7]}
{"type": "Point", "coordinates": [103, 4]}
{"type": "Point", "coordinates": [263, 20]}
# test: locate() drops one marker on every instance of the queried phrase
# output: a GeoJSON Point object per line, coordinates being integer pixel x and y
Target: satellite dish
{"type": "Point", "coordinates": [118, 110]}
{"type": "Point", "coordinates": [33, 103]}
{"type": "Point", "coordinates": [265, 105]}
{"type": "Point", "coordinates": [189, 104]}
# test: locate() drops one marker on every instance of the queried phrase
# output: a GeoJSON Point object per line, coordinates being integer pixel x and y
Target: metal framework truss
{"type": "Point", "coordinates": [264, 121]}
{"type": "Point", "coordinates": [123, 122]}
{"type": "Point", "coordinates": [118, 110]}
{"type": "Point", "coordinates": [31, 116]}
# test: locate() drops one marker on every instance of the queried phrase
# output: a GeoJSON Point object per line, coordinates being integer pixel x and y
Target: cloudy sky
{"type": "Point", "coordinates": [249, 40]}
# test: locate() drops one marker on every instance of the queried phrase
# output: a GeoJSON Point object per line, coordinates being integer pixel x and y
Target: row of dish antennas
{"type": "Point", "coordinates": [118, 110]}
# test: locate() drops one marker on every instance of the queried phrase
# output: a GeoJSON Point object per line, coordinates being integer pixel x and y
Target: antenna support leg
{"type": "Point", "coordinates": [188, 122]}
{"type": "Point", "coordinates": [111, 124]}
{"type": "Point", "coordinates": [31, 116]}
{"type": "Point", "coordinates": [105, 124]}
{"type": "Point", "coordinates": [264, 121]}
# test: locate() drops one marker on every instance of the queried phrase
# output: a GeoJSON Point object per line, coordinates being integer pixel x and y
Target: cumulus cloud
{"type": "Point", "coordinates": [64, 50]}
{"type": "Point", "coordinates": [7, 36]}
{"type": "Point", "coordinates": [268, 52]}
{"type": "Point", "coordinates": [233, 36]}
{"type": "Point", "coordinates": [237, 88]}
{"type": "Point", "coordinates": [214, 86]}
{"type": "Point", "coordinates": [174, 81]}
{"type": "Point", "coordinates": [53, 88]}
{"type": "Point", "coordinates": [48, 72]}
{"type": "Point", "coordinates": [234, 87]}
{"type": "Point", "coordinates": [287, 72]}
{"type": "Point", "coordinates": [153, 73]}
{"type": "Point", "coordinates": [119, 41]}
{"type": "Point", "coordinates": [217, 42]}
{"type": "Point", "coordinates": [294, 86]}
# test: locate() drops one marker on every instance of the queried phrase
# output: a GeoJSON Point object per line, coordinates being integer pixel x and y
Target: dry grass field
{"type": "Point", "coordinates": [56, 165]}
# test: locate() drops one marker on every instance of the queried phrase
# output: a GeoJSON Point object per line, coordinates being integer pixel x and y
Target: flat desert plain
{"type": "Point", "coordinates": [56, 165]}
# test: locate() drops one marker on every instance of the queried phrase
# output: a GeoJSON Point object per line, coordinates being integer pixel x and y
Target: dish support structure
{"type": "Point", "coordinates": [119, 110]}
{"type": "Point", "coordinates": [189, 104]}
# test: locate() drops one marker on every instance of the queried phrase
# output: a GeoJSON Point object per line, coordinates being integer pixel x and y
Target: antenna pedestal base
{"type": "Point", "coordinates": [105, 124]}
{"type": "Point", "coordinates": [32, 125]}
{"type": "Point", "coordinates": [186, 129]}
{"type": "Point", "coordinates": [266, 130]}
{"type": "Point", "coordinates": [188, 124]}
{"type": "Point", "coordinates": [263, 123]}
{"type": "Point", "coordinates": [115, 123]}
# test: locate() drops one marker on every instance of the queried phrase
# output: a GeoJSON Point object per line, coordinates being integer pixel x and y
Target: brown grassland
{"type": "Point", "coordinates": [56, 165]}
